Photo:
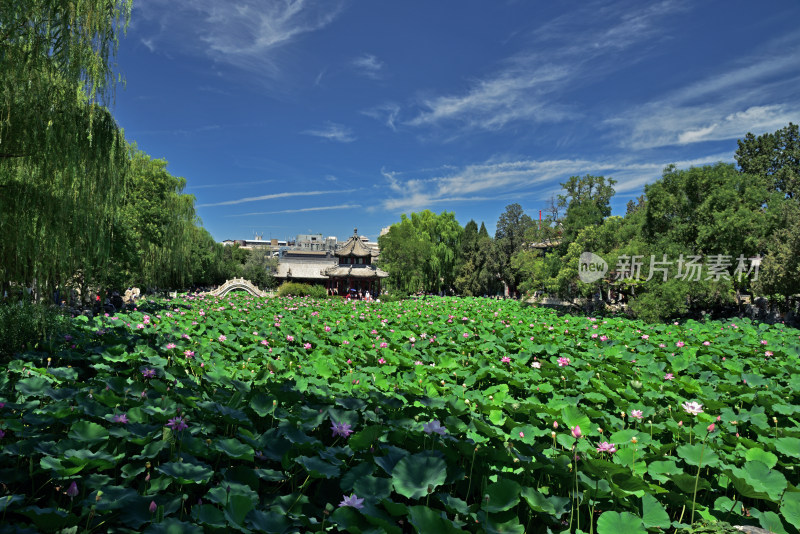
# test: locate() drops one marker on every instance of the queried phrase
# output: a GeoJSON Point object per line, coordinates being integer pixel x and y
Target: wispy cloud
{"type": "Point", "coordinates": [272, 196]}
{"type": "Point", "coordinates": [758, 94]}
{"type": "Point", "coordinates": [245, 34]}
{"type": "Point", "coordinates": [386, 113]}
{"type": "Point", "coordinates": [228, 184]}
{"type": "Point", "coordinates": [333, 132]}
{"type": "Point", "coordinates": [299, 210]}
{"type": "Point", "coordinates": [369, 66]}
{"type": "Point", "coordinates": [522, 178]}
{"type": "Point", "coordinates": [530, 84]}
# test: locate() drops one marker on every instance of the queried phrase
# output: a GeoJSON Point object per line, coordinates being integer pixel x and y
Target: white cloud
{"type": "Point", "coordinates": [386, 113]}
{"type": "Point", "coordinates": [333, 132]}
{"type": "Point", "coordinates": [368, 65]}
{"type": "Point", "coordinates": [757, 94]}
{"type": "Point", "coordinates": [515, 179]}
{"type": "Point", "coordinates": [272, 196]}
{"type": "Point", "coordinates": [529, 85]}
{"type": "Point", "coordinates": [300, 210]}
{"type": "Point", "coordinates": [245, 34]}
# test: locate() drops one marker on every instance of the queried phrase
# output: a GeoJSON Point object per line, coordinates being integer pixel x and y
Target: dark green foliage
{"type": "Point", "coordinates": [27, 326]}
{"type": "Point", "coordinates": [297, 289]}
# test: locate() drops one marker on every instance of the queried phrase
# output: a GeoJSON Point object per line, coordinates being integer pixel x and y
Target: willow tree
{"type": "Point", "coordinates": [62, 155]}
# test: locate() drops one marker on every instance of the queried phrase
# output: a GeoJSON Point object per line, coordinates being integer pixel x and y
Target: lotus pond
{"type": "Point", "coordinates": [434, 416]}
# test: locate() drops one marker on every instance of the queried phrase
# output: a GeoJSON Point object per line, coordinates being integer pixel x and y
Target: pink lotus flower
{"type": "Point", "coordinates": [637, 414]}
{"type": "Point", "coordinates": [383, 345]}
{"type": "Point", "coordinates": [576, 432]}
{"type": "Point", "coordinates": [645, 337]}
{"type": "Point", "coordinates": [711, 428]}
{"type": "Point", "coordinates": [188, 353]}
{"type": "Point", "coordinates": [669, 376]}
{"type": "Point", "coordinates": [289, 338]}
{"type": "Point", "coordinates": [307, 346]}
{"type": "Point", "coordinates": [536, 365]}
{"type": "Point", "coordinates": [505, 359]}
{"type": "Point", "coordinates": [381, 361]}
{"type": "Point", "coordinates": [680, 344]}
{"type": "Point", "coordinates": [763, 341]}
{"type": "Point", "coordinates": [222, 337]}
{"type": "Point", "coordinates": [603, 338]}
{"type": "Point", "coordinates": [170, 346]}
{"type": "Point", "coordinates": [121, 418]}
{"type": "Point", "coordinates": [563, 362]}
{"type": "Point", "coordinates": [706, 343]}
{"type": "Point", "coordinates": [605, 446]}
{"type": "Point", "coordinates": [327, 328]}
{"type": "Point", "coordinates": [693, 407]}
{"type": "Point", "coordinates": [153, 507]}
{"type": "Point", "coordinates": [768, 353]}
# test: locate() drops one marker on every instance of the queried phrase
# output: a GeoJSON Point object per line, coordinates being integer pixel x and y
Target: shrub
{"type": "Point", "coordinates": [297, 289]}
{"type": "Point", "coordinates": [26, 325]}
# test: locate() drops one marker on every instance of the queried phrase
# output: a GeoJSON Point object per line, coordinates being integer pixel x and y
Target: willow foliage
{"type": "Point", "coordinates": [62, 155]}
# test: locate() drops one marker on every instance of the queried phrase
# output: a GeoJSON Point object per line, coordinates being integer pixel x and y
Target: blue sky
{"type": "Point", "coordinates": [316, 116]}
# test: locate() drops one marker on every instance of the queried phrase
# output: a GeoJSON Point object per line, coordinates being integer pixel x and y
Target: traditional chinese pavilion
{"type": "Point", "coordinates": [355, 269]}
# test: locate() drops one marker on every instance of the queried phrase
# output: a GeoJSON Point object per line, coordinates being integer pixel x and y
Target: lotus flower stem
{"type": "Point", "coordinates": [696, 480]}
{"type": "Point", "coordinates": [471, 465]}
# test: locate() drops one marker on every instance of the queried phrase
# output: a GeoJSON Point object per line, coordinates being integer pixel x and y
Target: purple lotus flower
{"type": "Point", "coordinates": [341, 429]}
{"type": "Point", "coordinates": [72, 490]}
{"type": "Point", "coordinates": [149, 373]}
{"type": "Point", "coordinates": [434, 427]}
{"type": "Point", "coordinates": [121, 418]}
{"type": "Point", "coordinates": [153, 507]}
{"type": "Point", "coordinates": [177, 424]}
{"type": "Point", "coordinates": [353, 501]}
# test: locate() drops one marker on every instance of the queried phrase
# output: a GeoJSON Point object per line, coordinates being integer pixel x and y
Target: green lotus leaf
{"type": "Point", "coordinates": [418, 475]}
{"type": "Point", "coordinates": [698, 454]}
{"type": "Point", "coordinates": [317, 467]}
{"type": "Point", "coordinates": [234, 448]}
{"type": "Point", "coordinates": [653, 513]}
{"type": "Point", "coordinates": [790, 507]}
{"type": "Point", "coordinates": [374, 488]}
{"type": "Point", "coordinates": [551, 505]}
{"type": "Point", "coordinates": [501, 495]}
{"type": "Point", "coordinates": [211, 516]}
{"type": "Point", "coordinates": [365, 437]}
{"type": "Point", "coordinates": [170, 525]}
{"type": "Point", "coordinates": [788, 446]}
{"type": "Point", "coordinates": [34, 386]}
{"type": "Point", "coordinates": [611, 522]}
{"type": "Point", "coordinates": [237, 508]}
{"type": "Point", "coordinates": [187, 473]}
{"type": "Point", "coordinates": [269, 522]}
{"type": "Point", "coordinates": [758, 481]}
{"type": "Point", "coordinates": [88, 432]}
{"type": "Point", "coordinates": [766, 458]}
{"type": "Point", "coordinates": [426, 520]}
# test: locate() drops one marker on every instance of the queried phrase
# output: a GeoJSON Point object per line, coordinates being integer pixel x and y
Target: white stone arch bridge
{"type": "Point", "coordinates": [238, 284]}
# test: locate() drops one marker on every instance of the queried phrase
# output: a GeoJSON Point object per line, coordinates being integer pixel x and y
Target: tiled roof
{"type": "Point", "coordinates": [355, 271]}
{"type": "Point", "coordinates": [354, 247]}
{"type": "Point", "coordinates": [309, 269]}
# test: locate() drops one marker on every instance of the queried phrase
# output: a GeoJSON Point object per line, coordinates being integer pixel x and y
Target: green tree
{"type": "Point", "coordinates": [512, 227]}
{"type": "Point", "coordinates": [260, 267]}
{"type": "Point", "coordinates": [421, 252]}
{"type": "Point", "coordinates": [62, 156]}
{"type": "Point", "coordinates": [587, 200]}
{"type": "Point", "coordinates": [775, 159]}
